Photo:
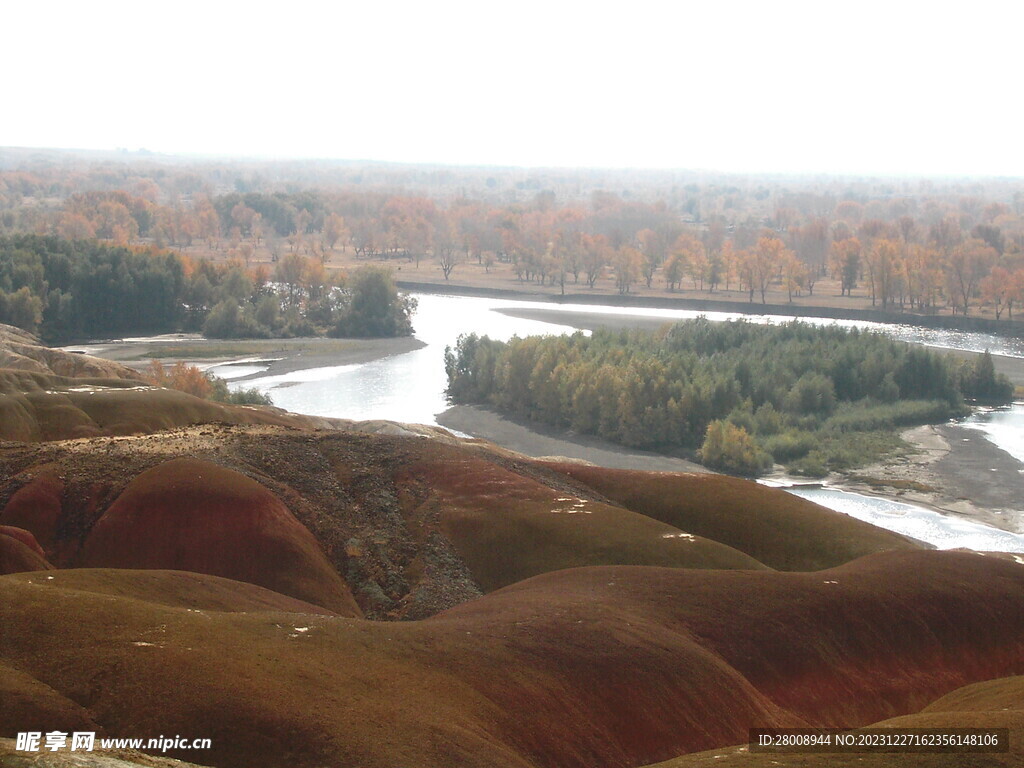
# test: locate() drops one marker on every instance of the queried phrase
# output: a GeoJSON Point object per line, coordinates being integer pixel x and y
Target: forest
{"type": "Point", "coordinates": [737, 395]}
{"type": "Point", "coordinates": [73, 289]}
{"type": "Point", "coordinates": [910, 246]}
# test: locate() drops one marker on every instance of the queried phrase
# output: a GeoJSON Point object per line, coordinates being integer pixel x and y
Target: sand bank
{"type": "Point", "coordinates": [539, 441]}
{"type": "Point", "coordinates": [282, 356]}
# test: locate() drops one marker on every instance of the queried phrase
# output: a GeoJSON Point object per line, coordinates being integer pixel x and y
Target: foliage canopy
{"type": "Point", "coordinates": [765, 390]}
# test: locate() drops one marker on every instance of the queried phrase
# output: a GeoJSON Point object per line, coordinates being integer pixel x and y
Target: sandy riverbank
{"type": "Point", "coordinates": [539, 441]}
{"type": "Point", "coordinates": [282, 356]}
{"type": "Point", "coordinates": [954, 470]}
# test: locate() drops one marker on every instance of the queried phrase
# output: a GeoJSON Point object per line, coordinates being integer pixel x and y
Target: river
{"type": "Point", "coordinates": [410, 387]}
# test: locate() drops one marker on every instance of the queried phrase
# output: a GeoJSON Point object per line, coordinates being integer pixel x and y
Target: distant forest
{"type": "Point", "coordinates": [73, 289]}
{"type": "Point", "coordinates": [745, 395]}
{"type": "Point", "coordinates": [926, 246]}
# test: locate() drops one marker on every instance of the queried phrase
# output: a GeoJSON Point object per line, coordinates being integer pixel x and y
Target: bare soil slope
{"type": "Point", "coordinates": [192, 515]}
{"type": "Point", "coordinates": [990, 704]}
{"type": "Point", "coordinates": [412, 524]}
{"type": "Point", "coordinates": [767, 523]}
{"type": "Point", "coordinates": [586, 667]}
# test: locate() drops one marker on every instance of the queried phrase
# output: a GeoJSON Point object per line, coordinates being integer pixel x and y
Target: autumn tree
{"type": "Point", "coordinates": [996, 288]}
{"type": "Point", "coordinates": [290, 272]}
{"type": "Point", "coordinates": [675, 269]}
{"type": "Point", "coordinates": [794, 274]}
{"type": "Point", "coordinates": [446, 245]}
{"type": "Point", "coordinates": [627, 263]}
{"type": "Point", "coordinates": [883, 268]}
{"type": "Point", "coordinates": [846, 263]}
{"type": "Point", "coordinates": [968, 263]}
{"type": "Point", "coordinates": [730, 448]}
{"type": "Point", "coordinates": [595, 257]}
{"type": "Point", "coordinates": [766, 259]}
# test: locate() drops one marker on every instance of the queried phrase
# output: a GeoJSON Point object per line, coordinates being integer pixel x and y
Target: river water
{"type": "Point", "coordinates": [410, 387]}
{"type": "Point", "coordinates": [942, 531]}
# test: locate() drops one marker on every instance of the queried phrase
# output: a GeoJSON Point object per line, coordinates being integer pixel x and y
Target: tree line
{"type": "Point", "coordinates": [69, 289]}
{"type": "Point", "coordinates": [916, 253]}
{"type": "Point", "coordinates": [910, 245]}
{"type": "Point", "coordinates": [736, 394]}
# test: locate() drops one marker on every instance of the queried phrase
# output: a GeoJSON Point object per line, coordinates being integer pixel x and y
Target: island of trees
{"type": "Point", "coordinates": [738, 396]}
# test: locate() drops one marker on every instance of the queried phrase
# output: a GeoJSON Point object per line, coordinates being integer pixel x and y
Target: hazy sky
{"type": "Point", "coordinates": [865, 87]}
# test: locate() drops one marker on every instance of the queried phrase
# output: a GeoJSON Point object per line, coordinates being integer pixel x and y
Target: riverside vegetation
{"type": "Point", "coordinates": [741, 396]}
{"type": "Point", "coordinates": [64, 289]}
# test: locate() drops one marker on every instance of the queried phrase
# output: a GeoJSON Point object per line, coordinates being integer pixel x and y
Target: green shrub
{"type": "Point", "coordinates": [789, 445]}
{"type": "Point", "coordinates": [731, 449]}
{"type": "Point", "coordinates": [222, 394]}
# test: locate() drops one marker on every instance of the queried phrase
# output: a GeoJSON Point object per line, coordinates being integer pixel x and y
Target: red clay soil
{"type": "Point", "coordinates": [36, 506]}
{"type": "Point", "coordinates": [776, 528]}
{"type": "Point", "coordinates": [193, 515]}
{"type": "Point", "coordinates": [25, 537]}
{"type": "Point", "coordinates": [604, 666]}
{"type": "Point", "coordinates": [508, 526]}
{"type": "Point", "coordinates": [17, 555]}
{"type": "Point", "coordinates": [416, 525]}
{"type": "Point", "coordinates": [848, 646]}
{"type": "Point", "coordinates": [990, 704]}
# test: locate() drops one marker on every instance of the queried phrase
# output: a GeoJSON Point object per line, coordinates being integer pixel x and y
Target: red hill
{"type": "Point", "coordinates": [605, 666]}
{"type": "Point", "coordinates": [777, 528]}
{"type": "Point", "coordinates": [194, 515]}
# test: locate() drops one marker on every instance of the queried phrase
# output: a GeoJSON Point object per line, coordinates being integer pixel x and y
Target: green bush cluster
{"type": "Point", "coordinates": [60, 288]}
{"type": "Point", "coordinates": [65, 289]}
{"type": "Point", "coordinates": [250, 396]}
{"type": "Point", "coordinates": [771, 392]}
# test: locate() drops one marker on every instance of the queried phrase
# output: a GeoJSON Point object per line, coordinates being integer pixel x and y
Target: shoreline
{"type": "Point", "coordinates": [282, 356]}
{"type": "Point", "coordinates": [954, 470]}
{"type": "Point", "coordinates": [731, 302]}
{"type": "Point", "coordinates": [540, 442]}
{"type": "Point", "coordinates": [951, 472]}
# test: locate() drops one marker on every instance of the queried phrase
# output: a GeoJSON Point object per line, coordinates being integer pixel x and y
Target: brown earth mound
{"type": "Point", "coordinates": [1002, 695]}
{"type": "Point", "coordinates": [848, 646]}
{"type": "Point", "coordinates": [508, 526]}
{"type": "Point", "coordinates": [39, 407]}
{"type": "Point", "coordinates": [21, 350]}
{"type": "Point", "coordinates": [36, 506]}
{"type": "Point", "coordinates": [193, 515]}
{"type": "Point", "coordinates": [992, 704]}
{"type": "Point", "coordinates": [606, 666]}
{"type": "Point", "coordinates": [414, 524]}
{"type": "Point", "coordinates": [17, 556]}
{"type": "Point", "coordinates": [775, 527]}
{"type": "Point", "coordinates": [177, 589]}
{"type": "Point", "coordinates": [25, 537]}
{"type": "Point", "coordinates": [26, 704]}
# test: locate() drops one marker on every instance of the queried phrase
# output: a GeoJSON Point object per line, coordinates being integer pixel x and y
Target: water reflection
{"type": "Point", "coordinates": [1002, 426]}
{"type": "Point", "coordinates": [410, 386]}
{"type": "Point", "coordinates": [942, 531]}
{"type": "Point", "coordinates": [407, 387]}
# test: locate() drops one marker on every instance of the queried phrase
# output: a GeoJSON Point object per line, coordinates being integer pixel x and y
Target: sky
{"type": "Point", "coordinates": [900, 88]}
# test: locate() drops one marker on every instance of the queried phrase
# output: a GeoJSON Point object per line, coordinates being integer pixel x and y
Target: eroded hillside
{"type": "Point", "coordinates": [379, 594]}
